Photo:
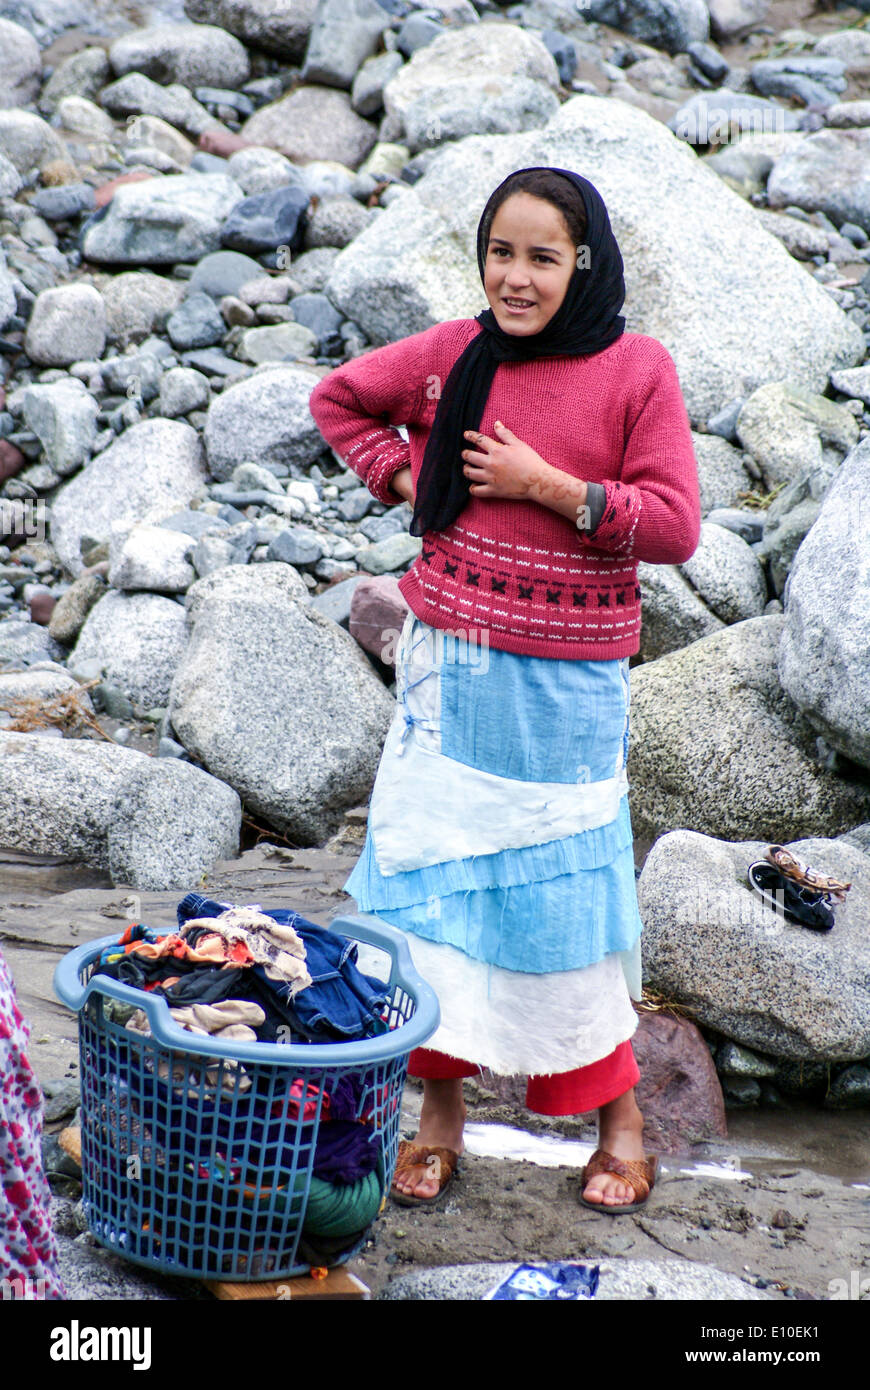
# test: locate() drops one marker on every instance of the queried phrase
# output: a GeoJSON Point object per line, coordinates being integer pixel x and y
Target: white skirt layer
{"type": "Point", "coordinates": [516, 1023]}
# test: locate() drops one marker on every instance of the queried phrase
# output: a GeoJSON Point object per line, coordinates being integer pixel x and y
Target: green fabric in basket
{"type": "Point", "coordinates": [339, 1211]}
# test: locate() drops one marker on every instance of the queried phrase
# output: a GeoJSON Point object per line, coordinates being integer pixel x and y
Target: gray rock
{"type": "Point", "coordinates": [80, 116]}
{"type": "Point", "coordinates": [223, 272]}
{"type": "Point", "coordinates": [266, 221]}
{"type": "Point", "coordinates": [673, 614]}
{"type": "Point", "coordinates": [787, 521]}
{"type": "Point", "coordinates": [854, 382]}
{"type": "Point", "coordinates": [746, 162]}
{"type": "Point", "coordinates": [265, 418]}
{"type": "Point", "coordinates": [693, 234]}
{"type": "Point", "coordinates": [814, 80]}
{"type": "Point", "coordinates": [354, 504]}
{"type": "Point", "coordinates": [279, 342]}
{"type": "Point", "coordinates": [152, 470]}
{"type": "Point", "coordinates": [80, 74]}
{"type": "Point", "coordinates": [23, 642]}
{"type": "Point", "coordinates": [234, 546]}
{"type": "Point", "coordinates": [20, 65]}
{"type": "Point", "coordinates": [393, 553]}
{"type": "Point", "coordinates": [740, 520]}
{"type": "Point", "coordinates": [713, 118]}
{"type": "Point", "coordinates": [10, 179]}
{"type": "Point", "coordinates": [416, 32]}
{"type": "Point", "coordinates": [139, 638]}
{"type": "Point", "coordinates": [721, 474]}
{"type": "Point", "coordinates": [336, 221]}
{"type": "Point", "coordinates": [257, 644]}
{"type": "Point", "coordinates": [437, 96]}
{"type": "Point", "coordinates": [367, 92]}
{"type": "Point", "coordinates": [740, 1061]}
{"type": "Point", "coordinates": [335, 602]}
{"type": "Point", "coordinates": [724, 422]}
{"type": "Point", "coordinates": [135, 374]}
{"type": "Point", "coordinates": [830, 172]}
{"type": "Point", "coordinates": [312, 123]}
{"type": "Point", "coordinates": [726, 575]}
{"type": "Point", "coordinates": [28, 141]}
{"type": "Point", "coordinates": [672, 25]}
{"type": "Point", "coordinates": [708, 60]}
{"type": "Point", "coordinates": [196, 323]}
{"type": "Point", "coordinates": [280, 29]}
{"type": "Point", "coordinates": [161, 221]}
{"type": "Point", "coordinates": [851, 46]}
{"type": "Point", "coordinates": [149, 557]}
{"type": "Point", "coordinates": [63, 202]}
{"type": "Point", "coordinates": [768, 778]}
{"type": "Point", "coordinates": [822, 664]}
{"type": "Point", "coordinates": [713, 944]}
{"type": "Point", "coordinates": [312, 269]}
{"type": "Point", "coordinates": [296, 546]}
{"type": "Point", "coordinates": [788, 430]}
{"type": "Point", "coordinates": [193, 523]}
{"type": "Point", "coordinates": [801, 239]}
{"type": "Point", "coordinates": [63, 416]}
{"type": "Point", "coordinates": [138, 303]}
{"type": "Point", "coordinates": [182, 390]}
{"type": "Point", "coordinates": [850, 1090]}
{"type": "Point", "coordinates": [730, 17]}
{"type": "Point", "coordinates": [260, 170]}
{"type": "Point", "coordinates": [344, 34]}
{"type": "Point", "coordinates": [194, 55]}
{"type": "Point", "coordinates": [674, 1280]}
{"type": "Point", "coordinates": [137, 95]}
{"type": "Point", "coordinates": [66, 324]}
{"type": "Point", "coordinates": [110, 806]}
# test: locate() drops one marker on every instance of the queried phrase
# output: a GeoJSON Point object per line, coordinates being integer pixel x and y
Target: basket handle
{"type": "Point", "coordinates": [70, 989]}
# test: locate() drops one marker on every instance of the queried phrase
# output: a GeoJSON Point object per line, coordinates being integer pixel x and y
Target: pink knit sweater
{"type": "Point", "coordinates": [537, 584]}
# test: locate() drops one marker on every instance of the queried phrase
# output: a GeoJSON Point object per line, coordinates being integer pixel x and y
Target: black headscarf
{"type": "Point", "coordinates": [587, 320]}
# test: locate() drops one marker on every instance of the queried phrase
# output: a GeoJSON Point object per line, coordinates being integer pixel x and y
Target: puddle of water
{"type": "Point", "coordinates": [550, 1151]}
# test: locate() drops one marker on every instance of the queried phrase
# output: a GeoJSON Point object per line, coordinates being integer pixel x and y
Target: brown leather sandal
{"type": "Point", "coordinates": [801, 873]}
{"type": "Point", "coordinates": [641, 1173]}
{"type": "Point", "coordinates": [442, 1162]}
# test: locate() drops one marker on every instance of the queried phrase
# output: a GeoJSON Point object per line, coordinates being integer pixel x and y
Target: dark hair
{"type": "Point", "coordinates": [541, 183]}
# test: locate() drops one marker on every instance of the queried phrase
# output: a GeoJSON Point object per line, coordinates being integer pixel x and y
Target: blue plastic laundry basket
{"type": "Point", "coordinates": [192, 1161]}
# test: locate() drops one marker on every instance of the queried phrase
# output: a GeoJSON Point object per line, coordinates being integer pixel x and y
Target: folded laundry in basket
{"type": "Point", "coordinates": [228, 1019]}
{"type": "Point", "coordinates": [273, 945]}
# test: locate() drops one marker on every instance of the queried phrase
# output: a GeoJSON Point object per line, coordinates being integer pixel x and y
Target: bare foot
{"type": "Point", "coordinates": [442, 1120]}
{"type": "Point", "coordinates": [620, 1132]}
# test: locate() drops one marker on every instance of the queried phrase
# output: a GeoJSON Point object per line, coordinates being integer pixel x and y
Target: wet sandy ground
{"type": "Point", "coordinates": [785, 1199]}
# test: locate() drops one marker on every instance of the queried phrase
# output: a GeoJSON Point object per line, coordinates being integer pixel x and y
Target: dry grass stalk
{"type": "Point", "coordinates": [63, 711]}
{"type": "Point", "coordinates": [653, 1003]}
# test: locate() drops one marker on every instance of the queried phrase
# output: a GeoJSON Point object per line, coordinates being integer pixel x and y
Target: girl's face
{"type": "Point", "coordinates": [530, 259]}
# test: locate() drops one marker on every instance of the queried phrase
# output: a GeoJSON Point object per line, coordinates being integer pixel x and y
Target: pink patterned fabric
{"type": "Point", "coordinates": [519, 570]}
{"type": "Point", "coordinates": [28, 1253]}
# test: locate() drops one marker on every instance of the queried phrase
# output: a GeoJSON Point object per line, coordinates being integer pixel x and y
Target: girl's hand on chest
{"type": "Point", "coordinates": [503, 467]}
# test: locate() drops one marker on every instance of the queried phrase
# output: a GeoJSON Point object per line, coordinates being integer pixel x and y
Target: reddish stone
{"type": "Point", "coordinates": [678, 1092]}
{"type": "Point", "coordinates": [106, 191]}
{"type": "Point", "coordinates": [41, 606]}
{"type": "Point", "coordinates": [11, 460]}
{"type": "Point", "coordinates": [2, 397]}
{"type": "Point", "coordinates": [377, 614]}
{"type": "Point", "coordinates": [222, 142]}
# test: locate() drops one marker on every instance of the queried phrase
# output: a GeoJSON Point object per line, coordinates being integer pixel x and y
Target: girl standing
{"type": "Point", "coordinates": [548, 452]}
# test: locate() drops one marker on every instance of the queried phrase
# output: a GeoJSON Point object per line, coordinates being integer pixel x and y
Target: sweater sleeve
{"type": "Point", "coordinates": [652, 512]}
{"type": "Point", "coordinates": [356, 406]}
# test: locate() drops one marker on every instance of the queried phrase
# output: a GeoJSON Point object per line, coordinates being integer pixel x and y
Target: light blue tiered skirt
{"type": "Point", "coordinates": [499, 838]}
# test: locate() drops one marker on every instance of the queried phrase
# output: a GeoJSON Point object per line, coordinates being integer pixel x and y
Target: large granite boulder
{"type": "Point", "coordinates": [685, 230]}
{"type": "Point", "coordinates": [139, 638]}
{"type": "Point", "coordinates": [153, 823]}
{"type": "Point", "coordinates": [278, 700]}
{"type": "Point", "coordinates": [715, 744]}
{"type": "Point", "coordinates": [264, 419]}
{"type": "Point", "coordinates": [823, 655]}
{"type": "Point", "coordinates": [711, 943]}
{"type": "Point", "coordinates": [153, 469]}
